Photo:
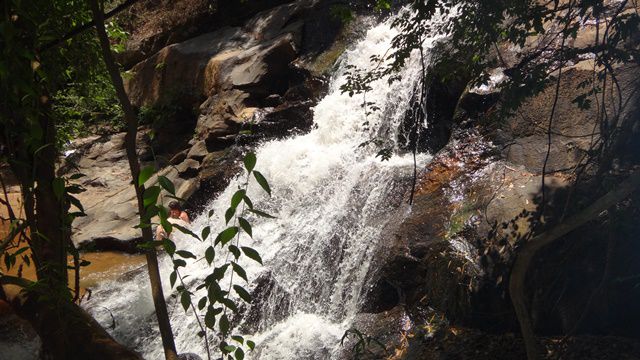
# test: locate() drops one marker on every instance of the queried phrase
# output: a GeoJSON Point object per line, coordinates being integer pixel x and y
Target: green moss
{"type": "Point", "coordinates": [324, 62]}
{"type": "Point", "coordinates": [459, 218]}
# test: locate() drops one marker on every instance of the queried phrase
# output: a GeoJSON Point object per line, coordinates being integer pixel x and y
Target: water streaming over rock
{"type": "Point", "coordinates": [332, 199]}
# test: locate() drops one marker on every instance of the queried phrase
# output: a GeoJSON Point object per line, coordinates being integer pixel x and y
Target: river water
{"type": "Point", "coordinates": [332, 201]}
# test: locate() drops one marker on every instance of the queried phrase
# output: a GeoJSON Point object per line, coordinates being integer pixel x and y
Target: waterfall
{"type": "Point", "coordinates": [332, 199]}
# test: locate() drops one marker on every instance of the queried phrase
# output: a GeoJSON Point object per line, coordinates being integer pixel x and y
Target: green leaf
{"type": "Point", "coordinates": [262, 181]}
{"type": "Point", "coordinates": [184, 230]}
{"type": "Point", "coordinates": [76, 176]}
{"type": "Point", "coordinates": [202, 303]}
{"type": "Point", "coordinates": [214, 292]}
{"type": "Point", "coordinates": [211, 213]}
{"type": "Point", "coordinates": [172, 278]}
{"type": "Point", "coordinates": [185, 254]}
{"type": "Point", "coordinates": [248, 202]}
{"type": "Point", "coordinates": [75, 189]}
{"type": "Point", "coordinates": [239, 270]}
{"type": "Point", "coordinates": [167, 226]}
{"type": "Point", "coordinates": [73, 200]}
{"type": "Point", "coordinates": [150, 212]}
{"type": "Point", "coordinates": [252, 254]}
{"type": "Point", "coordinates": [238, 338]}
{"type": "Point", "coordinates": [250, 161]}
{"type": "Point", "coordinates": [185, 300]}
{"type": "Point", "coordinates": [245, 225]}
{"type": "Point", "coordinates": [226, 235]}
{"type": "Point", "coordinates": [21, 250]}
{"type": "Point", "coordinates": [167, 184]}
{"type": "Point", "coordinates": [251, 345]}
{"type": "Point", "coordinates": [224, 324]}
{"type": "Point", "coordinates": [179, 263]}
{"type": "Point", "coordinates": [145, 174]}
{"type": "Point", "coordinates": [58, 187]}
{"type": "Point", "coordinates": [150, 195]}
{"type": "Point", "coordinates": [162, 212]}
{"type": "Point", "coordinates": [210, 318]}
{"type": "Point", "coordinates": [169, 246]}
{"type": "Point", "coordinates": [218, 272]}
{"type": "Point", "coordinates": [210, 254]}
{"type": "Point", "coordinates": [262, 214]}
{"type": "Point", "coordinates": [235, 251]}
{"type": "Point", "coordinates": [230, 304]}
{"type": "Point", "coordinates": [205, 232]}
{"type": "Point", "coordinates": [228, 215]}
{"type": "Point", "coordinates": [239, 354]}
{"type": "Point", "coordinates": [237, 197]}
{"type": "Point", "coordinates": [243, 293]}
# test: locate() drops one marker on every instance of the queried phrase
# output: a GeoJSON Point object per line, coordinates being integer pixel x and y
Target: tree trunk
{"type": "Point", "coordinates": [531, 248]}
{"type": "Point", "coordinates": [49, 245]}
{"type": "Point", "coordinates": [130, 145]}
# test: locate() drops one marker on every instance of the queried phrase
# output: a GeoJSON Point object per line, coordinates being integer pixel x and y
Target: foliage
{"type": "Point", "coordinates": [29, 76]}
{"type": "Point", "coordinates": [91, 102]}
{"type": "Point", "coordinates": [220, 299]}
{"type": "Point", "coordinates": [363, 343]}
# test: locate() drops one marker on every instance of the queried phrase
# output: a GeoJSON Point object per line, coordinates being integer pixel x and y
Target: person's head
{"type": "Point", "coordinates": [174, 209]}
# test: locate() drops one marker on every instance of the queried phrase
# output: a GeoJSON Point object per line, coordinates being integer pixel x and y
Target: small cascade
{"type": "Point", "coordinates": [332, 199]}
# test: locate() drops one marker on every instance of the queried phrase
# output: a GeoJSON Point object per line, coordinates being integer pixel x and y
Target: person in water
{"type": "Point", "coordinates": [176, 216]}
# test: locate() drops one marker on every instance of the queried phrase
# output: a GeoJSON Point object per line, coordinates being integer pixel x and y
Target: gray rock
{"type": "Point", "coordinates": [110, 202]}
{"type": "Point", "coordinates": [188, 168]}
{"type": "Point", "coordinates": [228, 57]}
{"type": "Point", "coordinates": [198, 151]}
{"type": "Point", "coordinates": [179, 157]}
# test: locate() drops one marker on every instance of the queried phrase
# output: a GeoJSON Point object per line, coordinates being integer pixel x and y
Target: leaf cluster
{"type": "Point", "coordinates": [219, 298]}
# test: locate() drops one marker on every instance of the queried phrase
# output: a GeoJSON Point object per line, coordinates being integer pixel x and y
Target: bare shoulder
{"type": "Point", "coordinates": [185, 217]}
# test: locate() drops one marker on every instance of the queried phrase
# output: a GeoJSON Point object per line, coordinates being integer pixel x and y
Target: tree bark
{"type": "Point", "coordinates": [531, 248]}
{"type": "Point", "coordinates": [130, 146]}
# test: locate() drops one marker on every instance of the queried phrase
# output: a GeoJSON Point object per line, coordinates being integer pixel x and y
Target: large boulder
{"type": "Point", "coordinates": [154, 24]}
{"type": "Point", "coordinates": [254, 58]}
{"type": "Point", "coordinates": [109, 202]}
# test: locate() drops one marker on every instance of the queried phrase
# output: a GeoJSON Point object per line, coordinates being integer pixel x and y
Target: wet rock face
{"type": "Point", "coordinates": [440, 107]}
{"type": "Point", "coordinates": [271, 302]}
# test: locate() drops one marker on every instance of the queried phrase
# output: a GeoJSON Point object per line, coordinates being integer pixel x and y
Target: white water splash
{"type": "Point", "coordinates": [332, 199]}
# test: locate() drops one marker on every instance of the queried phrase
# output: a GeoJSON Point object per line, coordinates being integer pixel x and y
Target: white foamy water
{"type": "Point", "coordinates": [332, 199]}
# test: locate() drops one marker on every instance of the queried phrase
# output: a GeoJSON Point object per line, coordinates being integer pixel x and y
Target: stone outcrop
{"type": "Point", "coordinates": [154, 24]}
{"type": "Point", "coordinates": [109, 201]}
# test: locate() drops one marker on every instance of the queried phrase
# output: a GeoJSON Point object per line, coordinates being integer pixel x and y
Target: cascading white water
{"type": "Point", "coordinates": [331, 198]}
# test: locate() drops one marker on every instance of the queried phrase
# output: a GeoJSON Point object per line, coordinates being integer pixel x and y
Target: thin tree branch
{"type": "Point", "coordinates": [130, 147]}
